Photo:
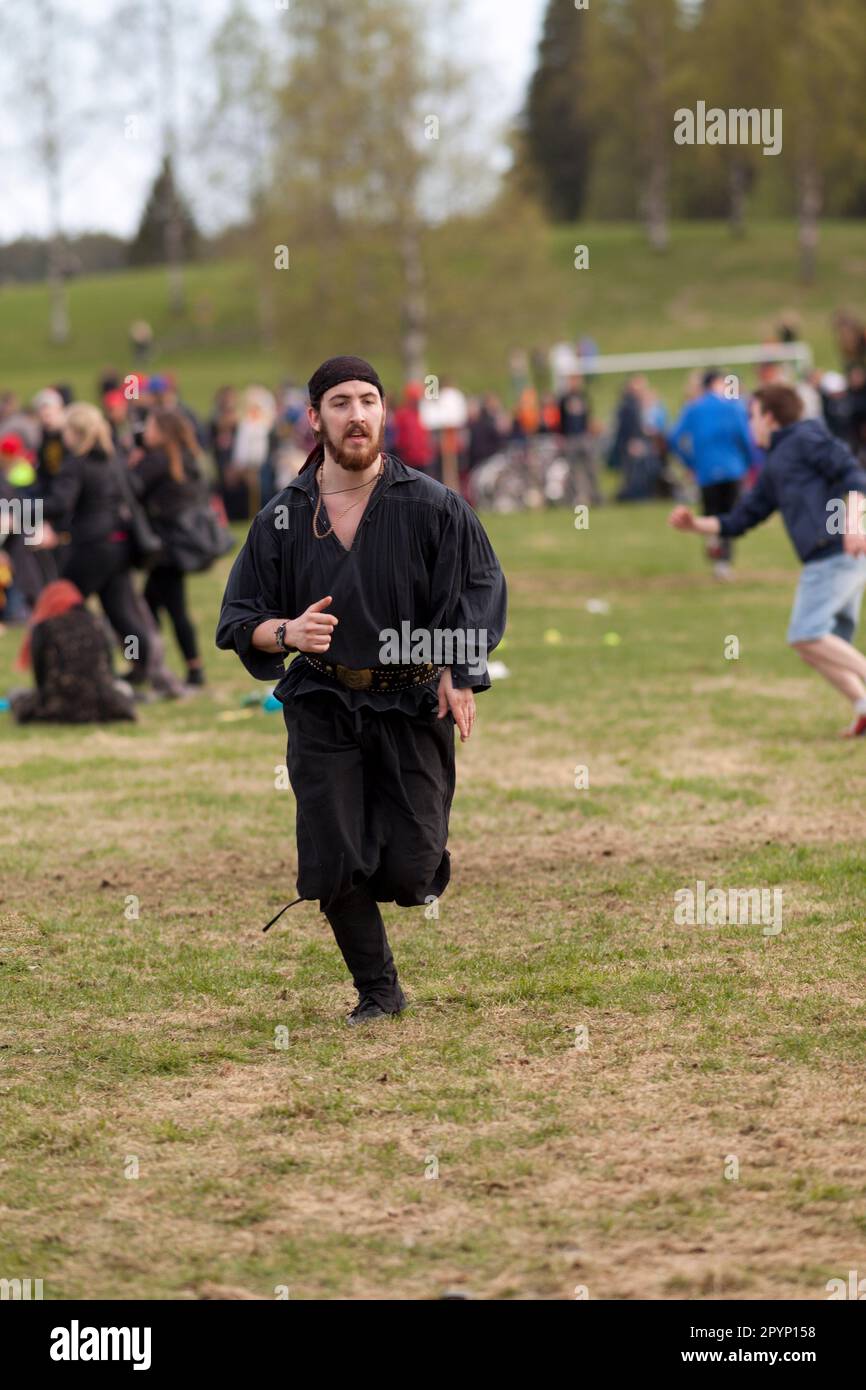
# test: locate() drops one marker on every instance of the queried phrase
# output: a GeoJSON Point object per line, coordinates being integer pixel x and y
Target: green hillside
{"type": "Point", "coordinates": [709, 290]}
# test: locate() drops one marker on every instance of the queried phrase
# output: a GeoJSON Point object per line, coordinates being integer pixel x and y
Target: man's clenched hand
{"type": "Point", "coordinates": [311, 632]}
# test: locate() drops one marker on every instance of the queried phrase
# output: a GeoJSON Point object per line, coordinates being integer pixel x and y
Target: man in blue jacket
{"type": "Point", "coordinates": [712, 438]}
{"type": "Point", "coordinates": [814, 481]}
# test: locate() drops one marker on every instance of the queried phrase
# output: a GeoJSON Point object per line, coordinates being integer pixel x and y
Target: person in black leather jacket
{"type": "Point", "coordinates": [167, 479]}
{"type": "Point", "coordinates": [86, 502]}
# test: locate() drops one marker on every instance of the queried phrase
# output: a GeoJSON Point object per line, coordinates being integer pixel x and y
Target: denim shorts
{"type": "Point", "coordinates": [828, 598]}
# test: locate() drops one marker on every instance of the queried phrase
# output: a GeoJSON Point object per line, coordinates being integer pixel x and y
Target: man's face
{"type": "Point", "coordinates": [762, 425]}
{"type": "Point", "coordinates": [351, 423]}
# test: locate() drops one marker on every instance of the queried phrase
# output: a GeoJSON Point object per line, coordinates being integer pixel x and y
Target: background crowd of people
{"type": "Point", "coordinates": [121, 484]}
{"type": "Point", "coordinates": [101, 493]}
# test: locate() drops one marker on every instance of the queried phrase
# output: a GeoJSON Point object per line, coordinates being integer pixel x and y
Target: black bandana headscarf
{"type": "Point", "coordinates": [331, 373]}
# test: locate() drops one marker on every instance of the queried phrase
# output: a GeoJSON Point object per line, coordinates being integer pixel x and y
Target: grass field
{"type": "Point", "coordinates": [710, 290]}
{"type": "Point", "coordinates": [152, 1042]}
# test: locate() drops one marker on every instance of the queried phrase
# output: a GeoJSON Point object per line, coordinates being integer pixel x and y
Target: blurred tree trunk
{"type": "Point", "coordinates": [43, 84]}
{"type": "Point", "coordinates": [352, 162]}
{"type": "Point", "coordinates": [234, 141]}
{"type": "Point", "coordinates": [658, 135]}
{"type": "Point", "coordinates": [172, 223]}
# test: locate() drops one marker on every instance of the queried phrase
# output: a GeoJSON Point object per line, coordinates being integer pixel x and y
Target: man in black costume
{"type": "Point", "coordinates": [370, 737]}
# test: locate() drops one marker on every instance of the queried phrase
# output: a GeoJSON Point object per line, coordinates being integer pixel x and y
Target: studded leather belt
{"type": "Point", "coordinates": [378, 679]}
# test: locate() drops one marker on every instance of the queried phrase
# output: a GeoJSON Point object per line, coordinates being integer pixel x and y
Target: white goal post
{"type": "Point", "coordinates": [565, 362]}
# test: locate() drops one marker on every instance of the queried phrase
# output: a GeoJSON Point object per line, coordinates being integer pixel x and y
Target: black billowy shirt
{"type": "Point", "coordinates": [420, 557]}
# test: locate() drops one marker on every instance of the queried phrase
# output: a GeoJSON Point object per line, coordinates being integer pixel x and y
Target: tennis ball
{"type": "Point", "coordinates": [611, 639]}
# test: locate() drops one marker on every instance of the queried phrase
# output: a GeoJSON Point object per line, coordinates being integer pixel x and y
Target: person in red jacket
{"type": "Point", "coordinates": [412, 441]}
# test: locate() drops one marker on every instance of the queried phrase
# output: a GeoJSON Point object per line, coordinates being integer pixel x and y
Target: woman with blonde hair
{"type": "Point", "coordinates": [87, 502]}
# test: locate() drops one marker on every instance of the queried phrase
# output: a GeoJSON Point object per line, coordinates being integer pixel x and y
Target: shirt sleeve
{"type": "Point", "coordinates": [839, 466]}
{"type": "Point", "coordinates": [751, 510]}
{"type": "Point", "coordinates": [253, 594]}
{"type": "Point", "coordinates": [469, 581]}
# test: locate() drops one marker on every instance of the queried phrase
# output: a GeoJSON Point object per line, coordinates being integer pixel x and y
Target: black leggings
{"type": "Point", "coordinates": [103, 568]}
{"type": "Point", "coordinates": [165, 589]}
{"type": "Point", "coordinates": [719, 498]}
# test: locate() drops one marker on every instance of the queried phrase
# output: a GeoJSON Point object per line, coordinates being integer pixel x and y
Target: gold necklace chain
{"type": "Point", "coordinates": [319, 473]}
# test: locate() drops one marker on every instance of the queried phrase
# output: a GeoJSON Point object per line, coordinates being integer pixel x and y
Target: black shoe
{"type": "Point", "coordinates": [368, 1009]}
{"type": "Point", "coordinates": [195, 675]}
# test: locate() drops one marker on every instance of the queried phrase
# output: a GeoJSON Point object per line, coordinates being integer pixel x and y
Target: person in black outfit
{"type": "Point", "coordinates": [485, 436]}
{"type": "Point", "coordinates": [67, 648]}
{"type": "Point", "coordinates": [221, 433]}
{"type": "Point", "coordinates": [577, 441]}
{"type": "Point", "coordinates": [167, 479]}
{"type": "Point", "coordinates": [87, 501]}
{"type": "Point", "coordinates": [370, 732]}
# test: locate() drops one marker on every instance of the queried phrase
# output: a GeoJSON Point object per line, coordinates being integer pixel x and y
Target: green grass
{"type": "Point", "coordinates": [153, 1037]}
{"type": "Point", "coordinates": [709, 290]}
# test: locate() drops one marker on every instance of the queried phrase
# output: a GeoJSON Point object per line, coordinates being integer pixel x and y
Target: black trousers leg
{"type": "Point", "coordinates": [165, 589]}
{"type": "Point", "coordinates": [719, 498]}
{"type": "Point", "coordinates": [373, 792]}
{"type": "Point", "coordinates": [103, 568]}
{"type": "Point", "coordinates": [116, 597]}
{"type": "Point", "coordinates": [360, 934]}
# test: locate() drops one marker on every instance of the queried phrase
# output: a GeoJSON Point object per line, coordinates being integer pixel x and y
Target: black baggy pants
{"type": "Point", "coordinates": [104, 568]}
{"type": "Point", "coordinates": [374, 791]}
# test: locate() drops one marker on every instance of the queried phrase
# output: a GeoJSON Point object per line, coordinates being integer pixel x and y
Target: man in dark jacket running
{"type": "Point", "coordinates": [386, 584]}
{"type": "Point", "coordinates": [814, 481]}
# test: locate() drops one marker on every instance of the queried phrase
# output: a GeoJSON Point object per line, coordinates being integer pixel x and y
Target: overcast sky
{"type": "Point", "coordinates": [106, 175]}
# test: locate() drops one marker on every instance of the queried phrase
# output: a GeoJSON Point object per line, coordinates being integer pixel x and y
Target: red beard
{"type": "Point", "coordinates": [354, 457]}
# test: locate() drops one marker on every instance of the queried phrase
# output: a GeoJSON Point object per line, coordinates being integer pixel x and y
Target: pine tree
{"type": "Point", "coordinates": [165, 205]}
{"type": "Point", "coordinates": [558, 134]}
